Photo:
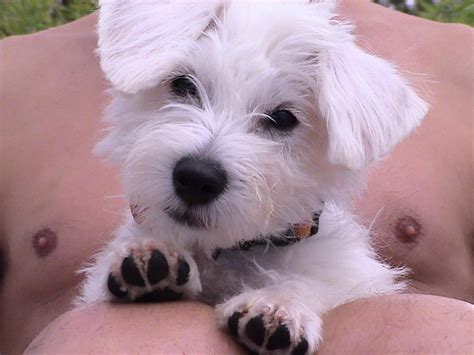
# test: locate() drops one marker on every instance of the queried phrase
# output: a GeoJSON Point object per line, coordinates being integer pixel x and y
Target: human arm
{"type": "Point", "coordinates": [397, 324]}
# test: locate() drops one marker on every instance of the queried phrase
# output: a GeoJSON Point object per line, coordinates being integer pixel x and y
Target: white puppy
{"type": "Point", "coordinates": [236, 122]}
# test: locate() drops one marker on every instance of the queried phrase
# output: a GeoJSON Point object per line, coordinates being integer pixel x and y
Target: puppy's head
{"type": "Point", "coordinates": [233, 120]}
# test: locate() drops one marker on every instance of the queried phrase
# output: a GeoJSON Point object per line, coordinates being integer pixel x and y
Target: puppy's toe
{"type": "Point", "coordinates": [158, 267]}
{"type": "Point", "coordinates": [115, 287]}
{"type": "Point", "coordinates": [301, 348]}
{"type": "Point", "coordinates": [255, 330]}
{"type": "Point", "coordinates": [233, 323]}
{"type": "Point", "coordinates": [280, 339]}
{"type": "Point", "coordinates": [131, 273]}
{"type": "Point", "coordinates": [183, 272]}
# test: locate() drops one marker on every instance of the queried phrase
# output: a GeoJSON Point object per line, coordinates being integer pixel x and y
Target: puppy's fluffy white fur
{"type": "Point", "coordinates": [248, 59]}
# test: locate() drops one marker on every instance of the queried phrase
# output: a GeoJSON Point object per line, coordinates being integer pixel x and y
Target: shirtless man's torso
{"type": "Point", "coordinates": [59, 203]}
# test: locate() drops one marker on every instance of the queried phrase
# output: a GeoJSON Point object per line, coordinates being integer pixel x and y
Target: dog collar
{"type": "Point", "coordinates": [294, 234]}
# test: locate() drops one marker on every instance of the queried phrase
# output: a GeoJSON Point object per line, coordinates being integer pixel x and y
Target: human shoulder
{"type": "Point", "coordinates": [441, 51]}
{"type": "Point", "coordinates": [28, 57]}
{"type": "Point", "coordinates": [456, 46]}
{"type": "Point", "coordinates": [42, 63]}
{"type": "Point", "coordinates": [40, 72]}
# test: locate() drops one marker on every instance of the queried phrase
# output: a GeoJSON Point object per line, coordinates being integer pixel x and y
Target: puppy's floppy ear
{"type": "Point", "coordinates": [140, 41]}
{"type": "Point", "coordinates": [368, 106]}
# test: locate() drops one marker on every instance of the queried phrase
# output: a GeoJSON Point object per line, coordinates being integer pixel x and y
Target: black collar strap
{"type": "Point", "coordinates": [294, 234]}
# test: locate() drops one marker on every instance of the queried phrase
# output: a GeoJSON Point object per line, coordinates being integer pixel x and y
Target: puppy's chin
{"type": "Point", "coordinates": [196, 222]}
{"type": "Point", "coordinates": [186, 218]}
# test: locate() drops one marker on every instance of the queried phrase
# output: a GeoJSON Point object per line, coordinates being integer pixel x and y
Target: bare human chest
{"type": "Point", "coordinates": [421, 223]}
{"type": "Point", "coordinates": [60, 229]}
{"type": "Point", "coordinates": [59, 210]}
{"type": "Point", "coordinates": [66, 215]}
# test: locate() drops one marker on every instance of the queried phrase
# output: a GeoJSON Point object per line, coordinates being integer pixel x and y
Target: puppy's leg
{"type": "Point", "coordinates": [306, 280]}
{"type": "Point", "coordinates": [283, 318]}
{"type": "Point", "coordinates": [137, 267]}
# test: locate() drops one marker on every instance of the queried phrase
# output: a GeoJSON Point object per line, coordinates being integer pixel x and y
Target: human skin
{"type": "Point", "coordinates": [397, 324]}
{"type": "Point", "coordinates": [52, 95]}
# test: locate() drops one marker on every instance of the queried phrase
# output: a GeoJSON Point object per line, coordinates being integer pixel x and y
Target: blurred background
{"type": "Point", "coordinates": [27, 16]}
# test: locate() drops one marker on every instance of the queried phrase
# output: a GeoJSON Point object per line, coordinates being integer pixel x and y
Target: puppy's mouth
{"type": "Point", "coordinates": [186, 218]}
{"type": "Point", "coordinates": [294, 233]}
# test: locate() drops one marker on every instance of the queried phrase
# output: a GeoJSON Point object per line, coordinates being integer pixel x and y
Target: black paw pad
{"type": "Point", "coordinates": [256, 330]}
{"type": "Point", "coordinates": [164, 295]}
{"type": "Point", "coordinates": [158, 267]}
{"type": "Point", "coordinates": [130, 272]}
{"type": "Point", "coordinates": [301, 348]}
{"type": "Point", "coordinates": [183, 272]}
{"type": "Point", "coordinates": [233, 323]}
{"type": "Point", "coordinates": [168, 294]}
{"type": "Point", "coordinates": [280, 339]}
{"type": "Point", "coordinates": [114, 287]}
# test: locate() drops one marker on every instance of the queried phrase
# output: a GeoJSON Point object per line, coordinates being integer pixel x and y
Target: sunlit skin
{"type": "Point", "coordinates": [60, 203]}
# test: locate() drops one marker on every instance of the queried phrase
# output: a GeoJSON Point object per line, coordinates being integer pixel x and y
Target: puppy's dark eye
{"type": "Point", "coordinates": [183, 86]}
{"type": "Point", "coordinates": [283, 120]}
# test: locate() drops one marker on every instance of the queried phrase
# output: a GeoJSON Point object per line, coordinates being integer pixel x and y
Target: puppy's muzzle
{"type": "Point", "coordinates": [198, 181]}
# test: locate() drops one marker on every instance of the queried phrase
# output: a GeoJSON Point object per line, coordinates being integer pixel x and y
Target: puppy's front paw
{"type": "Point", "coordinates": [150, 272]}
{"type": "Point", "coordinates": [270, 326]}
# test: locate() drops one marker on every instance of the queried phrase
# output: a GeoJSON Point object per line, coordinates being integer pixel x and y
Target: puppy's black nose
{"type": "Point", "coordinates": [198, 181]}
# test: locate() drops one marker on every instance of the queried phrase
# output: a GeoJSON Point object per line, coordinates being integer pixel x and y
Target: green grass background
{"type": "Point", "coordinates": [27, 16]}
